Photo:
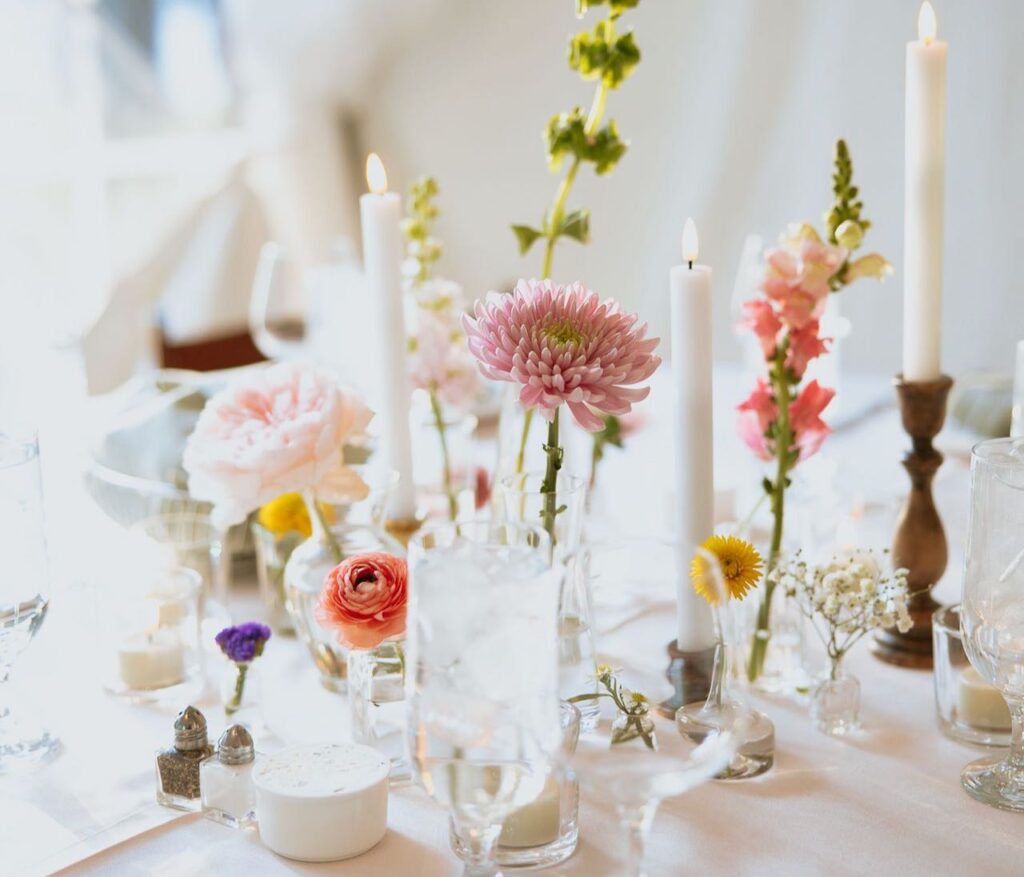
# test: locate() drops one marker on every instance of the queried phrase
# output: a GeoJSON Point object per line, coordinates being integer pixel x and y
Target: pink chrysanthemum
{"type": "Point", "coordinates": [563, 344]}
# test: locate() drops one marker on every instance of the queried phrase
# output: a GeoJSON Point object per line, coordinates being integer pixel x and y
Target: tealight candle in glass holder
{"type": "Point", "coordinates": [967, 707]}
{"type": "Point", "coordinates": [149, 633]}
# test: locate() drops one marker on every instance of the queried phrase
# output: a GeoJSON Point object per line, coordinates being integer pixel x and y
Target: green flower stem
{"type": "Point", "coordinates": [435, 407]}
{"type": "Point", "coordinates": [235, 704]}
{"type": "Point", "coordinates": [521, 454]}
{"type": "Point", "coordinates": [783, 445]}
{"type": "Point", "coordinates": [317, 514]}
{"type": "Point", "coordinates": [549, 486]}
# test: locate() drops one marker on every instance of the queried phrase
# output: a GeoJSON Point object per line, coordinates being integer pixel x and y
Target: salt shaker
{"type": "Point", "coordinates": [228, 793]}
{"type": "Point", "coordinates": [177, 766]}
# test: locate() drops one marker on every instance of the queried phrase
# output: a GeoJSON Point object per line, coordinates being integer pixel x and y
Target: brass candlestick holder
{"type": "Point", "coordinates": [920, 541]}
{"type": "Point", "coordinates": [690, 675]}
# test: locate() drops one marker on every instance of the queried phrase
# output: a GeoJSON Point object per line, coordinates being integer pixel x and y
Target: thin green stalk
{"type": "Point", "coordinates": [435, 407]}
{"type": "Point", "coordinates": [235, 704]}
{"type": "Point", "coordinates": [549, 486]}
{"type": "Point", "coordinates": [521, 454]}
{"type": "Point", "coordinates": [783, 445]}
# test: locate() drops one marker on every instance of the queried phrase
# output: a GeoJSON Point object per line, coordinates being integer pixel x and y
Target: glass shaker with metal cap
{"type": "Point", "coordinates": [177, 766]}
{"type": "Point", "coordinates": [228, 793]}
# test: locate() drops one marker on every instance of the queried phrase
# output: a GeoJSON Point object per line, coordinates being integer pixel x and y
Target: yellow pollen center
{"type": "Point", "coordinates": [563, 332]}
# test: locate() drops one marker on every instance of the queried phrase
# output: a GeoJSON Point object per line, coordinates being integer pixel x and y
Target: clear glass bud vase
{"type": "Point", "coordinates": [376, 697]}
{"type": "Point", "coordinates": [835, 701]}
{"type": "Point", "coordinates": [523, 501]}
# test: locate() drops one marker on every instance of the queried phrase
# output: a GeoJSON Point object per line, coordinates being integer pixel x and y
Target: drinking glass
{"type": "Point", "coordinates": [24, 591]}
{"type": "Point", "coordinates": [482, 683]}
{"type": "Point", "coordinates": [277, 305]}
{"type": "Point", "coordinates": [637, 777]}
{"type": "Point", "coordinates": [992, 610]}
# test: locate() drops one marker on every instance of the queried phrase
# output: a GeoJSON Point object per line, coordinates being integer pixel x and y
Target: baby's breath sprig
{"type": "Point", "coordinates": [633, 705]}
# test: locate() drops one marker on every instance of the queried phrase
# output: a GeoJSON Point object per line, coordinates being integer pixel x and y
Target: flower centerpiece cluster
{"type": "Point", "coordinates": [275, 431]}
{"type": "Point", "coordinates": [241, 644]}
{"type": "Point", "coordinates": [439, 362]}
{"type": "Point", "coordinates": [781, 421]}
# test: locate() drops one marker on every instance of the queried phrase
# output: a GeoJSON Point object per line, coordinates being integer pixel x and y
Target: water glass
{"type": "Point", "coordinates": [482, 677]}
{"type": "Point", "coordinates": [24, 593]}
{"type": "Point", "coordinates": [992, 611]}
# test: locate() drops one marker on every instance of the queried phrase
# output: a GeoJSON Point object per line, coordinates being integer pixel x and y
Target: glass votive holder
{"type": "Point", "coordinates": [189, 539]}
{"type": "Point", "coordinates": [545, 831]}
{"type": "Point", "coordinates": [272, 554]}
{"type": "Point", "coordinates": [967, 707]}
{"type": "Point", "coordinates": [150, 647]}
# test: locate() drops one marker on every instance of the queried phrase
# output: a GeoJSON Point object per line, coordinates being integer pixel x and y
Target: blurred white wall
{"type": "Point", "coordinates": [731, 117]}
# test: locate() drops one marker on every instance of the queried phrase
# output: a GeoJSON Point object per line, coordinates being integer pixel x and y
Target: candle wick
{"type": "Point", "coordinates": [689, 262]}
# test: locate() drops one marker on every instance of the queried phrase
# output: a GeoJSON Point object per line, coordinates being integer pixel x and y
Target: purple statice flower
{"type": "Point", "coordinates": [243, 642]}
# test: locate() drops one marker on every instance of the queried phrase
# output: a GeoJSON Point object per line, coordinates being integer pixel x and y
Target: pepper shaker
{"type": "Point", "coordinates": [177, 766]}
{"type": "Point", "coordinates": [226, 782]}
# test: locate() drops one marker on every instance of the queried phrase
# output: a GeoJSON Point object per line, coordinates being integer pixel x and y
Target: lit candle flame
{"type": "Point", "coordinates": [376, 176]}
{"type": "Point", "coordinates": [690, 246]}
{"type": "Point", "coordinates": [927, 26]}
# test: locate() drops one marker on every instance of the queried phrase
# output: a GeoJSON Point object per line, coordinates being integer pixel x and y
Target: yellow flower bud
{"type": "Point", "coordinates": [849, 234]}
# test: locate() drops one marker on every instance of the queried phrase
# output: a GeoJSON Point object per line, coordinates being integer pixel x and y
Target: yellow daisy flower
{"type": "Point", "coordinates": [740, 563]}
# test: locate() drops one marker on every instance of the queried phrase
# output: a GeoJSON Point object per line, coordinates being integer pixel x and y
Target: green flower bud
{"type": "Point", "coordinates": [849, 234]}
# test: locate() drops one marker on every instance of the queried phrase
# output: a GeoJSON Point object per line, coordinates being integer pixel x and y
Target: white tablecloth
{"type": "Point", "coordinates": [884, 801]}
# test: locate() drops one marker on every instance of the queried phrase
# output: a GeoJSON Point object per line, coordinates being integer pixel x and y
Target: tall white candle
{"type": "Point", "coordinates": [925, 200]}
{"type": "Point", "coordinates": [381, 213]}
{"type": "Point", "coordinates": [690, 298]}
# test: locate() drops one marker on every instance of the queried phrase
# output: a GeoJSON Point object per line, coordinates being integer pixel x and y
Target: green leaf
{"type": "Point", "coordinates": [605, 149]}
{"type": "Point", "coordinates": [565, 135]}
{"type": "Point", "coordinates": [526, 237]}
{"type": "Point", "coordinates": [601, 55]}
{"type": "Point", "coordinates": [576, 225]}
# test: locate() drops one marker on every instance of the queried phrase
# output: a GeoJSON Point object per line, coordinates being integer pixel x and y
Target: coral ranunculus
{"type": "Point", "coordinates": [563, 344]}
{"type": "Point", "coordinates": [364, 599]}
{"type": "Point", "coordinates": [276, 430]}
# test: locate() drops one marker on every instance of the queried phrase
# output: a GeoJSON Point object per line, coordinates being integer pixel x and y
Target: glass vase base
{"type": "Point", "coordinates": [24, 748]}
{"type": "Point", "coordinates": [755, 754]}
{"type": "Point", "coordinates": [511, 858]}
{"type": "Point", "coordinates": [992, 781]}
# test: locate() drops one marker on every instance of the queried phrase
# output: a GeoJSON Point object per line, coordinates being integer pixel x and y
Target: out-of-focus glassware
{"type": "Point", "coordinates": [24, 592]}
{"type": "Point", "coordinates": [482, 684]}
{"type": "Point", "coordinates": [835, 700]}
{"type": "Point", "coordinates": [272, 553]}
{"type": "Point", "coordinates": [992, 611]}
{"type": "Point", "coordinates": [545, 831]}
{"type": "Point", "coordinates": [636, 778]}
{"type": "Point", "coordinates": [1017, 416]}
{"type": "Point", "coordinates": [277, 306]}
{"type": "Point", "coordinates": [376, 694]}
{"type": "Point", "coordinates": [357, 529]}
{"type": "Point", "coordinates": [967, 708]}
{"type": "Point", "coordinates": [444, 483]}
{"type": "Point", "coordinates": [523, 501]}
{"type": "Point", "coordinates": [189, 539]}
{"type": "Point", "coordinates": [148, 624]}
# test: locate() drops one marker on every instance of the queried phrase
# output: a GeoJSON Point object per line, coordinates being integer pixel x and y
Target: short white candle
{"type": "Point", "coordinates": [690, 300]}
{"type": "Point", "coordinates": [152, 659]}
{"type": "Point", "coordinates": [538, 822]}
{"type": "Point", "coordinates": [925, 169]}
{"type": "Point", "coordinates": [979, 704]}
{"type": "Point", "coordinates": [322, 802]}
{"type": "Point", "coordinates": [381, 213]}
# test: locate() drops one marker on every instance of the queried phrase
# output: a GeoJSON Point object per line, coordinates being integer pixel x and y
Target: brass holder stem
{"type": "Point", "coordinates": [690, 675]}
{"type": "Point", "coordinates": [403, 529]}
{"type": "Point", "coordinates": [920, 541]}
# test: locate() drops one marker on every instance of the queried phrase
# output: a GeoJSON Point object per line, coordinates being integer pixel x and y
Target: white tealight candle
{"type": "Point", "coordinates": [322, 802]}
{"type": "Point", "coordinates": [690, 300]}
{"type": "Point", "coordinates": [537, 823]}
{"type": "Point", "coordinates": [979, 704]}
{"type": "Point", "coordinates": [152, 659]}
{"type": "Point", "coordinates": [925, 166]}
{"type": "Point", "coordinates": [381, 213]}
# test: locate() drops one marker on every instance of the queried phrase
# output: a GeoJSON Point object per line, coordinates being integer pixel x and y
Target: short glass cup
{"type": "Point", "coordinates": [546, 831]}
{"type": "Point", "coordinates": [150, 646]}
{"type": "Point", "coordinates": [967, 708]}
